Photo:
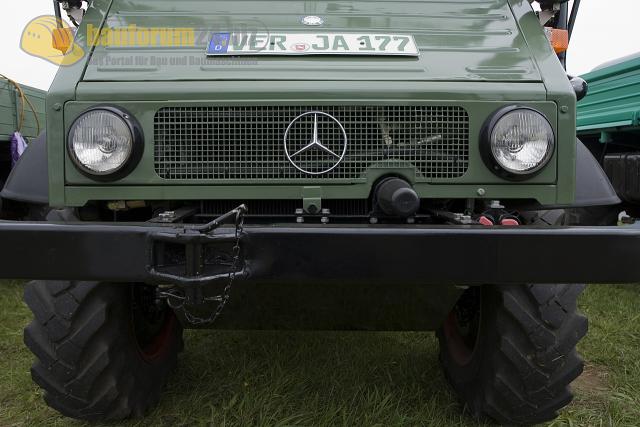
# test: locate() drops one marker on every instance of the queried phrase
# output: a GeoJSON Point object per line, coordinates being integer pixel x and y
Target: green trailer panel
{"type": "Point", "coordinates": [11, 107]}
{"type": "Point", "coordinates": [613, 102]}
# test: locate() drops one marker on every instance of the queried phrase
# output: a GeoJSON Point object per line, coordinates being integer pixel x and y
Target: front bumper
{"type": "Point", "coordinates": [320, 255]}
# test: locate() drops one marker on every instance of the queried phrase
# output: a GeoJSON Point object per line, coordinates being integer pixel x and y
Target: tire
{"type": "Point", "coordinates": [103, 351]}
{"type": "Point", "coordinates": [509, 351]}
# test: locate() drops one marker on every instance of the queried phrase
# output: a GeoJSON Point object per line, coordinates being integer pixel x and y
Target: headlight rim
{"type": "Point", "coordinates": [486, 150]}
{"type": "Point", "coordinates": [137, 147]}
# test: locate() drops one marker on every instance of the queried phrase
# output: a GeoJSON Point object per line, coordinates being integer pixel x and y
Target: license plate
{"type": "Point", "coordinates": [311, 44]}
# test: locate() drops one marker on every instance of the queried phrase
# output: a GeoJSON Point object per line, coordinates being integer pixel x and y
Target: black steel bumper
{"type": "Point", "coordinates": [367, 255]}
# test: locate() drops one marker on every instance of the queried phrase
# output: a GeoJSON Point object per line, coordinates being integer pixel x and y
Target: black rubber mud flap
{"type": "Point", "coordinates": [29, 179]}
{"type": "Point", "coordinates": [593, 187]}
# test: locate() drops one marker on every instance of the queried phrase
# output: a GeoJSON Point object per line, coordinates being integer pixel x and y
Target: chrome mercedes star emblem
{"type": "Point", "coordinates": [326, 148]}
{"type": "Point", "coordinates": [312, 21]}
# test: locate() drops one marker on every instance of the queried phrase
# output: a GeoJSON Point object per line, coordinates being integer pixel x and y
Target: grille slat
{"type": "Point", "coordinates": [232, 143]}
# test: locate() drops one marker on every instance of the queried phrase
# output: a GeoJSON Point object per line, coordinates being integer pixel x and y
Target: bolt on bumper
{"type": "Point", "coordinates": [298, 255]}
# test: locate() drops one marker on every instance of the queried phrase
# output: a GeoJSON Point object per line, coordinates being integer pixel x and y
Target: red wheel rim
{"type": "Point", "coordinates": [160, 342]}
{"type": "Point", "coordinates": [458, 349]}
{"type": "Point", "coordinates": [152, 323]}
{"type": "Point", "coordinates": [462, 331]}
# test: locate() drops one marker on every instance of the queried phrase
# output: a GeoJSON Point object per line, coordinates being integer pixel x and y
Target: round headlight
{"type": "Point", "coordinates": [520, 142]}
{"type": "Point", "coordinates": [104, 141]}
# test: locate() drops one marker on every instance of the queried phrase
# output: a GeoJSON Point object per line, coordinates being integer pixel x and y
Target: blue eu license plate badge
{"type": "Point", "coordinates": [219, 43]}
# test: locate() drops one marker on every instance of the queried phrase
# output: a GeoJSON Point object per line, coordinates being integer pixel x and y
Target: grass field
{"type": "Point", "coordinates": [313, 379]}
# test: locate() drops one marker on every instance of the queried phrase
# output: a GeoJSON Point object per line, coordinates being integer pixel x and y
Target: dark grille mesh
{"type": "Point", "coordinates": [288, 207]}
{"type": "Point", "coordinates": [217, 143]}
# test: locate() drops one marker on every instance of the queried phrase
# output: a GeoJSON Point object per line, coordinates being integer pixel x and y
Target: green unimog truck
{"type": "Point", "coordinates": [312, 165]}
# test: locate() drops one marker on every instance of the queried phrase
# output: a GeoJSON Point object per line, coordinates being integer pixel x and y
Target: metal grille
{"type": "Point", "coordinates": [286, 207]}
{"type": "Point", "coordinates": [233, 143]}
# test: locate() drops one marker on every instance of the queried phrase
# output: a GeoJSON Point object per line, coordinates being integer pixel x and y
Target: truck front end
{"type": "Point", "coordinates": [322, 165]}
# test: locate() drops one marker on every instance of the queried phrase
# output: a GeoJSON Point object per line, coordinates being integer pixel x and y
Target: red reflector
{"type": "Point", "coordinates": [485, 221]}
{"type": "Point", "coordinates": [510, 222]}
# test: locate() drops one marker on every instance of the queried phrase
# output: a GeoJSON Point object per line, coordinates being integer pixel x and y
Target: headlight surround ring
{"type": "Point", "coordinates": [487, 146]}
{"type": "Point", "coordinates": [125, 121]}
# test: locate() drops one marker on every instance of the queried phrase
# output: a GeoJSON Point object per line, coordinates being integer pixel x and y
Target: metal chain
{"type": "Point", "coordinates": [220, 299]}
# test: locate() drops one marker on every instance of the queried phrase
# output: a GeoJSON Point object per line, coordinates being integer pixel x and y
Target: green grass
{"type": "Point", "coordinates": [286, 378]}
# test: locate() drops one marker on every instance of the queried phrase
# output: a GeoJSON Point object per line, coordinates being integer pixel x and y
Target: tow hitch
{"type": "Point", "coordinates": [193, 258]}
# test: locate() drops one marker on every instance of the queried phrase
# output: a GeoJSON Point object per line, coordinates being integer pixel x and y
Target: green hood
{"type": "Point", "coordinates": [458, 40]}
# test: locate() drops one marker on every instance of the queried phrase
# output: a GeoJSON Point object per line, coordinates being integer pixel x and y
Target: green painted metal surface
{"type": "Point", "coordinates": [478, 54]}
{"type": "Point", "coordinates": [458, 40]}
{"type": "Point", "coordinates": [11, 107]}
{"type": "Point", "coordinates": [613, 101]}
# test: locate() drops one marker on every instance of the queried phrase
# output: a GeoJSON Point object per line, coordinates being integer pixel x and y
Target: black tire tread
{"type": "Point", "coordinates": [546, 319]}
{"type": "Point", "coordinates": [84, 361]}
{"type": "Point", "coordinates": [528, 357]}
